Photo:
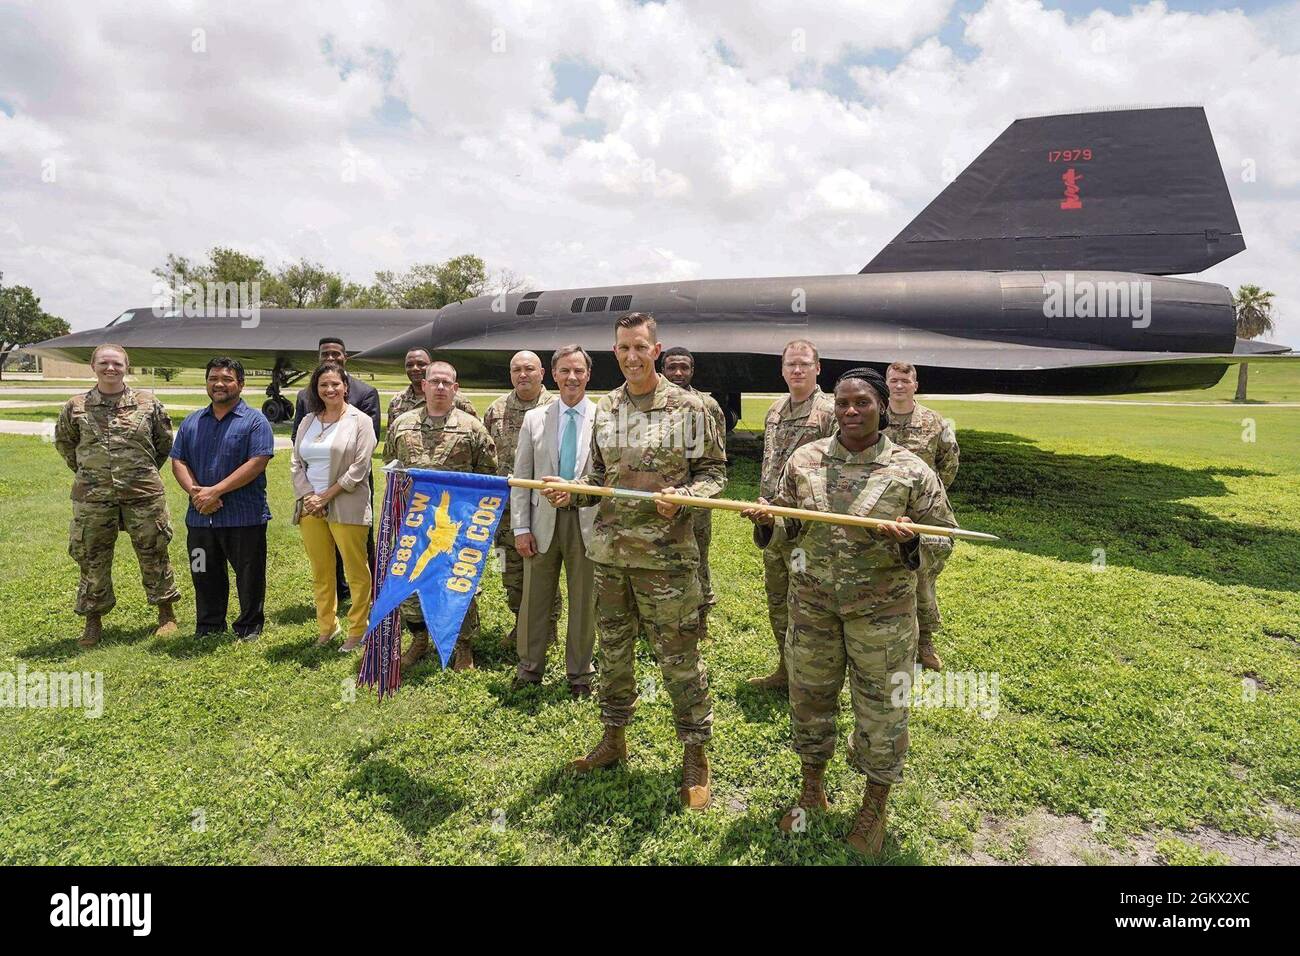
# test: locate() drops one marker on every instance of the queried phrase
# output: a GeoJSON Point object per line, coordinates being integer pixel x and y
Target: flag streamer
{"type": "Point", "coordinates": [382, 654]}
{"type": "Point", "coordinates": [438, 546]}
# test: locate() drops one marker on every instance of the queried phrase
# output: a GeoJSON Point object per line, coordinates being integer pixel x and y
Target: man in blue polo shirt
{"type": "Point", "coordinates": [219, 459]}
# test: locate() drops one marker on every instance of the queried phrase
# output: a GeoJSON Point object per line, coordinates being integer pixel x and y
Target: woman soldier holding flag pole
{"type": "Point", "coordinates": [853, 597]}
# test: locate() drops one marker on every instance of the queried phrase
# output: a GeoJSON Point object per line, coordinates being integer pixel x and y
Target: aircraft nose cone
{"type": "Point", "coordinates": [383, 356]}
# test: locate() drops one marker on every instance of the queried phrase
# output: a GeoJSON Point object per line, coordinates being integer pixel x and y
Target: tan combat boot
{"type": "Point", "coordinates": [419, 647]}
{"type": "Point", "coordinates": [166, 620]}
{"type": "Point", "coordinates": [926, 655]}
{"type": "Point", "coordinates": [812, 797]}
{"type": "Point", "coordinates": [868, 833]}
{"type": "Point", "coordinates": [92, 632]}
{"type": "Point", "coordinates": [611, 750]}
{"type": "Point", "coordinates": [695, 791]}
{"type": "Point", "coordinates": [777, 680]}
{"type": "Point", "coordinates": [462, 656]}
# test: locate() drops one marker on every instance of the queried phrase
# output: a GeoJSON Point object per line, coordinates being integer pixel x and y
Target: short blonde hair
{"type": "Point", "coordinates": [108, 345]}
{"type": "Point", "coordinates": [903, 367]}
{"type": "Point", "coordinates": [806, 344]}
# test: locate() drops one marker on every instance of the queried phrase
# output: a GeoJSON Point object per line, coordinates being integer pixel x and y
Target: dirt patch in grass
{"type": "Point", "coordinates": [1043, 838]}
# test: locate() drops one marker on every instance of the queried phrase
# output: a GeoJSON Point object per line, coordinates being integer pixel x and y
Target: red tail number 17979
{"type": "Point", "coordinates": [1068, 155]}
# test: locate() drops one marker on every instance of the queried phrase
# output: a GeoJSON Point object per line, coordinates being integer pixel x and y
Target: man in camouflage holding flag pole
{"type": "Point", "coordinates": [648, 436]}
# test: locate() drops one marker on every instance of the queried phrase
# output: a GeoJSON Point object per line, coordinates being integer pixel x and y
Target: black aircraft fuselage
{"type": "Point", "coordinates": [966, 331]}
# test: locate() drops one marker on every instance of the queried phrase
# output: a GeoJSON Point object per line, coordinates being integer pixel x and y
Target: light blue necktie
{"type": "Point", "coordinates": [569, 444]}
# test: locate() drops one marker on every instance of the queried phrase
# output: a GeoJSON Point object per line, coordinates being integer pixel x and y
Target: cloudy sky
{"type": "Point", "coordinates": [576, 144]}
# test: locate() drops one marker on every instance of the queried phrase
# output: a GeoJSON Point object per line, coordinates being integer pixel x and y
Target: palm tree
{"type": "Point", "coordinates": [1254, 308]}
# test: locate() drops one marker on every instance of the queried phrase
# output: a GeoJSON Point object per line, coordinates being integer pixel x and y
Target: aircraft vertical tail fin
{"type": "Point", "coordinates": [1135, 190]}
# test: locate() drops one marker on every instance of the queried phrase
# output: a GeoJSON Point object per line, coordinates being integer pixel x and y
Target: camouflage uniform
{"type": "Point", "coordinates": [646, 565]}
{"type": "Point", "coordinates": [925, 434]}
{"type": "Point", "coordinates": [503, 419]}
{"type": "Point", "coordinates": [452, 442]}
{"type": "Point", "coordinates": [853, 597]}
{"type": "Point", "coordinates": [787, 426]}
{"type": "Point", "coordinates": [704, 516]}
{"type": "Point", "coordinates": [403, 402]}
{"type": "Point", "coordinates": [115, 445]}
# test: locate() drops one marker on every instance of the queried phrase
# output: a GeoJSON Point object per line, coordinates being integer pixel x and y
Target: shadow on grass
{"type": "Point", "coordinates": [417, 805]}
{"type": "Point", "coordinates": [189, 645]}
{"type": "Point", "coordinates": [761, 706]}
{"type": "Point", "coordinates": [821, 845]}
{"type": "Point", "coordinates": [68, 649]}
{"type": "Point", "coordinates": [300, 613]}
{"type": "Point", "coordinates": [1066, 506]}
{"type": "Point", "coordinates": [623, 804]}
{"type": "Point", "coordinates": [533, 699]}
{"type": "Point", "coordinates": [304, 653]}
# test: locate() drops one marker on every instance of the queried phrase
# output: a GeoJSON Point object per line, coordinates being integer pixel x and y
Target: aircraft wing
{"type": "Point", "coordinates": [270, 337]}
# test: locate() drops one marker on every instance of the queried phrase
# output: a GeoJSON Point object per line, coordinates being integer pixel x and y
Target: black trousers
{"type": "Point", "coordinates": [244, 549]}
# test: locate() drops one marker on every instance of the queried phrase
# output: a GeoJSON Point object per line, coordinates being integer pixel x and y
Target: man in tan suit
{"type": "Point", "coordinates": [555, 440]}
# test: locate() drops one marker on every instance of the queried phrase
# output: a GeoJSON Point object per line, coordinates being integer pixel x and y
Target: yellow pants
{"type": "Point", "coordinates": [319, 539]}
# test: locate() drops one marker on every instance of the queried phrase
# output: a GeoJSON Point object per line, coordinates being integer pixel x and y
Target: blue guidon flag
{"type": "Point", "coordinates": [437, 549]}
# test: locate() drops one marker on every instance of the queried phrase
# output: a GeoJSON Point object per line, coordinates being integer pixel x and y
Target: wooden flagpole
{"type": "Point", "coordinates": [727, 504]}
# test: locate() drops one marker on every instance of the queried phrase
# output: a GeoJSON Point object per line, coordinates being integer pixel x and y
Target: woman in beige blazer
{"type": "Point", "coordinates": [331, 469]}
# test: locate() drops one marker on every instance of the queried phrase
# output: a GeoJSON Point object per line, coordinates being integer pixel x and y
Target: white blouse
{"type": "Point", "coordinates": [315, 452]}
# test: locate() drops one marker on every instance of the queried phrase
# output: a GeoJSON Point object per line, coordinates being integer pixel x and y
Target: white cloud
{"type": "Point", "coordinates": [712, 163]}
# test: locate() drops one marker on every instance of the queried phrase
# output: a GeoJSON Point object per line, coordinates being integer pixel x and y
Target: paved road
{"type": "Point", "coordinates": [45, 430]}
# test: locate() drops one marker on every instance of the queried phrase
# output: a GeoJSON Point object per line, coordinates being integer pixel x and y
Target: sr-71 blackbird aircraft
{"type": "Point", "coordinates": [1044, 268]}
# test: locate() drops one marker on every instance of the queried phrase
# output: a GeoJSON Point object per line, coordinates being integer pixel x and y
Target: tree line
{"type": "Point", "coordinates": [311, 285]}
{"type": "Point", "coordinates": [23, 321]}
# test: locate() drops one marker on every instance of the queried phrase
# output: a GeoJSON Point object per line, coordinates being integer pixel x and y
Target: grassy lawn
{"type": "Point", "coordinates": [1148, 567]}
{"type": "Point", "coordinates": [1276, 381]}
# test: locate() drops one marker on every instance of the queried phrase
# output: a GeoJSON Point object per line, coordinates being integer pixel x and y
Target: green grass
{"type": "Point", "coordinates": [1271, 381]}
{"type": "Point", "coordinates": [1121, 686]}
{"type": "Point", "coordinates": [1175, 852]}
